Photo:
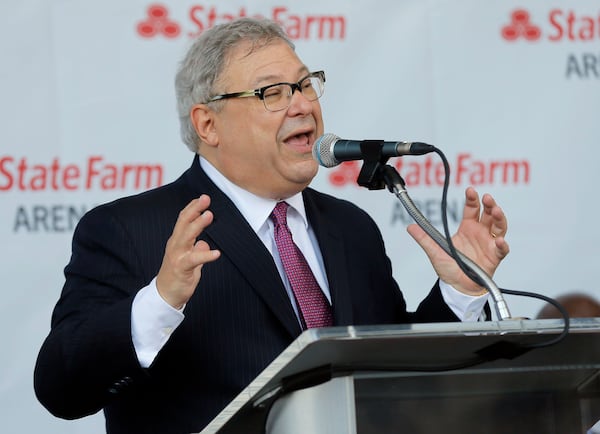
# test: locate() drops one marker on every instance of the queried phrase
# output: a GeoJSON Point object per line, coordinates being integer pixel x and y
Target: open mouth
{"type": "Point", "coordinates": [299, 140]}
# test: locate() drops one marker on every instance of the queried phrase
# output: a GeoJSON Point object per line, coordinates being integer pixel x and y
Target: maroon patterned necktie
{"type": "Point", "coordinates": [313, 306]}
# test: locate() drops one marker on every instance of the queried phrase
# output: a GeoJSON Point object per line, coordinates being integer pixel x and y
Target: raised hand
{"type": "Point", "coordinates": [480, 237]}
{"type": "Point", "coordinates": [184, 257]}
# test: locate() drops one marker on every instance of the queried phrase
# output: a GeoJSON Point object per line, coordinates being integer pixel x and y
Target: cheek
{"type": "Point", "coordinates": [251, 133]}
{"type": "Point", "coordinates": [320, 123]}
{"type": "Point", "coordinates": [262, 133]}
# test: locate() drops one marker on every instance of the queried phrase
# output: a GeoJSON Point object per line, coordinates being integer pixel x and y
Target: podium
{"type": "Point", "coordinates": [426, 378]}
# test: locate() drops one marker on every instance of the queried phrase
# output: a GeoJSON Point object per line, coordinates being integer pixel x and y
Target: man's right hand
{"type": "Point", "coordinates": [182, 264]}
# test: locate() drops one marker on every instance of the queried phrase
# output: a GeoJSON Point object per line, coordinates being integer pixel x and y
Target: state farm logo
{"type": "Point", "coordinates": [200, 17]}
{"type": "Point", "coordinates": [559, 25]}
{"type": "Point", "coordinates": [521, 26]}
{"type": "Point", "coordinates": [157, 22]}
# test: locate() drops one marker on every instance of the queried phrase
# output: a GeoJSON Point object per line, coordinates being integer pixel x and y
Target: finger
{"type": "Point", "coordinates": [502, 248]}
{"type": "Point", "coordinates": [194, 208]}
{"type": "Point", "coordinates": [488, 205]}
{"type": "Point", "coordinates": [425, 241]}
{"type": "Point", "coordinates": [182, 264]}
{"type": "Point", "coordinates": [499, 225]}
{"type": "Point", "coordinates": [493, 217]}
{"type": "Point", "coordinates": [416, 232]}
{"type": "Point", "coordinates": [191, 220]}
{"type": "Point", "coordinates": [472, 207]}
{"type": "Point", "coordinates": [202, 254]}
{"type": "Point", "coordinates": [193, 229]}
{"type": "Point", "coordinates": [194, 252]}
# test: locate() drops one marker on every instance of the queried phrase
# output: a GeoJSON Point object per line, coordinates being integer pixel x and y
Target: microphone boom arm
{"type": "Point", "coordinates": [396, 185]}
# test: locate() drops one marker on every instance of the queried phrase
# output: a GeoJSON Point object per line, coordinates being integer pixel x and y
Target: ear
{"type": "Point", "coordinates": [203, 120]}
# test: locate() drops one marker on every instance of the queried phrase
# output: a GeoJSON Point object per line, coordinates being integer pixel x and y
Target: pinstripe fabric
{"type": "Point", "coordinates": [238, 320]}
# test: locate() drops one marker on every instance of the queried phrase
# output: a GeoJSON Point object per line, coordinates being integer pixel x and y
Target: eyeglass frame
{"type": "Point", "coordinates": [260, 92]}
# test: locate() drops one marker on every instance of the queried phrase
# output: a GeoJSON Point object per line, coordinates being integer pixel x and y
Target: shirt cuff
{"type": "Point", "coordinates": [465, 307]}
{"type": "Point", "coordinates": [153, 321]}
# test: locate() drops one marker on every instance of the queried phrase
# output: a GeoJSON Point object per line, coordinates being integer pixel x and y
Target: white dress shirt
{"type": "Point", "coordinates": [153, 320]}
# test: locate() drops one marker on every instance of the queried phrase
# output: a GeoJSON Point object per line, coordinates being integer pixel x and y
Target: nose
{"type": "Point", "coordinates": [299, 104]}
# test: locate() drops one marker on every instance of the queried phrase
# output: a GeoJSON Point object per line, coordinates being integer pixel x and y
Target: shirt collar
{"type": "Point", "coordinates": [255, 209]}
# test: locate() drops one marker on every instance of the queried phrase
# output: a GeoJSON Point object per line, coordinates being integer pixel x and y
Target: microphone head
{"type": "Point", "coordinates": [323, 150]}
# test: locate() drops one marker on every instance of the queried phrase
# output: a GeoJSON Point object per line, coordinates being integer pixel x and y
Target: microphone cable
{"type": "Point", "coordinates": [396, 185]}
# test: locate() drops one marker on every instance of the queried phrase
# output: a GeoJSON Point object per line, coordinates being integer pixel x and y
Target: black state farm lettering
{"type": "Point", "coordinates": [583, 66]}
{"type": "Point", "coordinates": [48, 218]}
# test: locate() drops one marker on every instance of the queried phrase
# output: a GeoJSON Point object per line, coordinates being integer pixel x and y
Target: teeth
{"type": "Point", "coordinates": [297, 136]}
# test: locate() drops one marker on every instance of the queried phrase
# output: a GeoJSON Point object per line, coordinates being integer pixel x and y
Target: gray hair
{"type": "Point", "coordinates": [205, 60]}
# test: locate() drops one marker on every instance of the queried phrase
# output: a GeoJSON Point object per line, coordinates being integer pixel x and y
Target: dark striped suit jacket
{"type": "Point", "coordinates": [238, 320]}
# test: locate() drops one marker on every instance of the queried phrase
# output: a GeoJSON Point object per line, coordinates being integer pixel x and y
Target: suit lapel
{"type": "Point", "coordinates": [235, 238]}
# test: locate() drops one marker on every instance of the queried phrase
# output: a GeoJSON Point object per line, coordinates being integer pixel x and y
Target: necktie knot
{"type": "Point", "coordinates": [279, 214]}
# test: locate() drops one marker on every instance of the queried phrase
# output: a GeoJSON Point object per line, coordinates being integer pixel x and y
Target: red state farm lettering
{"type": "Point", "coordinates": [297, 26]}
{"type": "Point", "coordinates": [466, 171]}
{"type": "Point", "coordinates": [477, 172]}
{"type": "Point", "coordinates": [20, 174]}
{"type": "Point", "coordinates": [424, 171]}
{"type": "Point", "coordinates": [113, 177]}
{"type": "Point", "coordinates": [569, 25]}
{"type": "Point", "coordinates": [310, 26]}
{"type": "Point", "coordinates": [205, 18]}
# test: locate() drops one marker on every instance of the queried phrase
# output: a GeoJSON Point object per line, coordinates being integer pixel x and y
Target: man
{"type": "Point", "coordinates": [175, 299]}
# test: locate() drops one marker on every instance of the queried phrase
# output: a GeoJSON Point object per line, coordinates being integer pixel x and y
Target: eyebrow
{"type": "Point", "coordinates": [268, 79]}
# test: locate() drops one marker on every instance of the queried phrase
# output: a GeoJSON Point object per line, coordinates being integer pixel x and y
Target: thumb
{"type": "Point", "coordinates": [429, 246]}
{"type": "Point", "coordinates": [418, 234]}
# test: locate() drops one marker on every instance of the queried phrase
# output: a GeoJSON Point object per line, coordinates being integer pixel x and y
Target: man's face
{"type": "Point", "coordinates": [266, 153]}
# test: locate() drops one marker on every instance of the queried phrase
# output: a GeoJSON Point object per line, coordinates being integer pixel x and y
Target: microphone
{"type": "Point", "coordinates": [329, 150]}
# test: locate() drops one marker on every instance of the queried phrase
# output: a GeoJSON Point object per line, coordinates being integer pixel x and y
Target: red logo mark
{"type": "Point", "coordinates": [158, 22]}
{"type": "Point", "coordinates": [521, 26]}
{"type": "Point", "coordinates": [345, 173]}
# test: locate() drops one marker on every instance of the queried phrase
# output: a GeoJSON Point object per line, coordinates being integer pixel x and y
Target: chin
{"type": "Point", "coordinates": [309, 170]}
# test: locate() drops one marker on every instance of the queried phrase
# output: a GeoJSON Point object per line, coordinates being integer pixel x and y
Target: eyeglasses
{"type": "Point", "coordinates": [278, 96]}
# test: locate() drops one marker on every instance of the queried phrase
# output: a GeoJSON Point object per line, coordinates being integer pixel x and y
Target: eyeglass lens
{"type": "Point", "coordinates": [279, 97]}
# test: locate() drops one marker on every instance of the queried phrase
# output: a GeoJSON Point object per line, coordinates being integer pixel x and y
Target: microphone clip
{"type": "Point", "coordinates": [371, 173]}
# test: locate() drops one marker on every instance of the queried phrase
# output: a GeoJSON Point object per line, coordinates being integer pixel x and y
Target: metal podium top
{"type": "Point", "coordinates": [430, 347]}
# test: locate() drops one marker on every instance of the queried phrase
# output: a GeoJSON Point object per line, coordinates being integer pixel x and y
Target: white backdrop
{"type": "Point", "coordinates": [510, 91]}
